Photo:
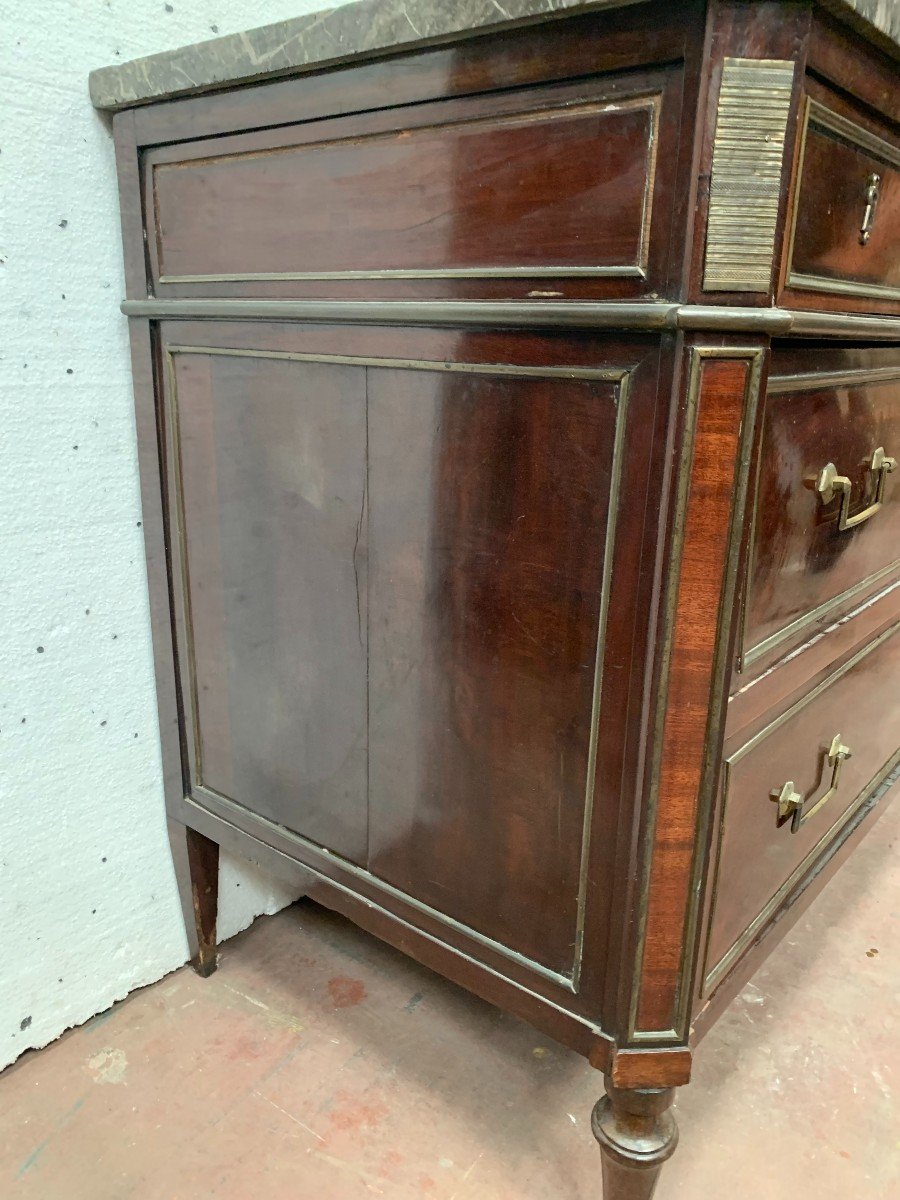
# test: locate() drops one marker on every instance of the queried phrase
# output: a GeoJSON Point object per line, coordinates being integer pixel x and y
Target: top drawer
{"type": "Point", "coordinates": [845, 231]}
{"type": "Point", "coordinates": [533, 192]}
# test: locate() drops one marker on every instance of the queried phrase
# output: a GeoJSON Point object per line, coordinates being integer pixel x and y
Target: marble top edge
{"type": "Point", "coordinates": [363, 29]}
{"type": "Point", "coordinates": [367, 29]}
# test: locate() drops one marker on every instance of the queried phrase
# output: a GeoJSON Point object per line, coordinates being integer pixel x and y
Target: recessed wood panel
{"type": "Point", "coordinates": [490, 504]}
{"type": "Point", "coordinates": [269, 497]}
{"type": "Point", "coordinates": [544, 182]}
{"type": "Point", "coordinates": [392, 579]}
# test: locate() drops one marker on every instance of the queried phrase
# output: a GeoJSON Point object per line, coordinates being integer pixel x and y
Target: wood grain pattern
{"type": "Point", "coordinates": [657, 1067]}
{"type": "Point", "coordinates": [721, 389]}
{"type": "Point", "coordinates": [469, 500]}
{"type": "Point", "coordinates": [772, 682]}
{"type": "Point", "coordinates": [853, 66]}
{"type": "Point", "coordinates": [488, 551]}
{"type": "Point", "coordinates": [268, 471]}
{"type": "Point", "coordinates": [196, 860]}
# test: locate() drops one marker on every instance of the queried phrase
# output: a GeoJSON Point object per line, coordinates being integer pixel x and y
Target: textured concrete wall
{"type": "Point", "coordinates": [88, 906]}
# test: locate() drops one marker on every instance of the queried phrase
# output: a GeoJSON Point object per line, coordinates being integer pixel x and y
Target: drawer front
{"type": "Point", "coordinates": [523, 191]}
{"type": "Point", "coordinates": [826, 523]}
{"type": "Point", "coordinates": [845, 237]}
{"type": "Point", "coordinates": [765, 846]}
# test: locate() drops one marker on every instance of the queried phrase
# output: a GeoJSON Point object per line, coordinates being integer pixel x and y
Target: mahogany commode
{"type": "Point", "coordinates": [519, 411]}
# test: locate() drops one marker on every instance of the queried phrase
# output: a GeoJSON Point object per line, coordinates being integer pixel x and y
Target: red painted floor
{"type": "Point", "coordinates": [318, 1063]}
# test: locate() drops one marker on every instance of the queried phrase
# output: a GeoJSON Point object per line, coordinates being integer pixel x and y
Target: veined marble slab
{"type": "Point", "coordinates": [370, 28]}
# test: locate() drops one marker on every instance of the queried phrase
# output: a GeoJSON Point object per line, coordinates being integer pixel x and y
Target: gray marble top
{"type": "Point", "coordinates": [367, 29]}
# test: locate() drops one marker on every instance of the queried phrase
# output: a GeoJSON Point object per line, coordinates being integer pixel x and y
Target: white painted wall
{"type": "Point", "coordinates": [88, 905]}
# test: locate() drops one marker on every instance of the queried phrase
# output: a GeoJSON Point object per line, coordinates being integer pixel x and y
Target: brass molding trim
{"type": "Point", "coordinates": [283, 838]}
{"type": "Point", "coordinates": [821, 117]}
{"type": "Point", "coordinates": [815, 381]}
{"type": "Point", "coordinates": [817, 614]}
{"type": "Point", "coordinates": [841, 287]}
{"type": "Point", "coordinates": [544, 114]}
{"type": "Point", "coordinates": [617, 466]}
{"type": "Point", "coordinates": [606, 374]}
{"type": "Point", "coordinates": [522, 313]}
{"type": "Point", "coordinates": [745, 186]}
{"type": "Point", "coordinates": [754, 356]}
{"type": "Point", "coordinates": [620, 376]}
{"type": "Point", "coordinates": [813, 694]}
{"type": "Point", "coordinates": [279, 840]}
{"type": "Point", "coordinates": [814, 324]}
{"type": "Point", "coordinates": [856, 135]}
{"type": "Point", "coordinates": [640, 314]}
{"type": "Point", "coordinates": [626, 271]}
{"type": "Point", "coordinates": [713, 975]}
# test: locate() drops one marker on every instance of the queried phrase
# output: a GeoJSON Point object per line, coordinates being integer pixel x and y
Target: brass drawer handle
{"type": "Point", "coordinates": [790, 803]}
{"type": "Point", "coordinates": [829, 483]}
{"type": "Point", "coordinates": [873, 186]}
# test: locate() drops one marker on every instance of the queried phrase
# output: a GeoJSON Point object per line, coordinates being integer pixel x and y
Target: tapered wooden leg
{"type": "Point", "coordinates": [637, 1133]}
{"type": "Point", "coordinates": [197, 870]}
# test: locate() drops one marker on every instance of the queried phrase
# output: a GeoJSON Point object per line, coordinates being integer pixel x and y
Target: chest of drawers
{"type": "Point", "coordinates": [519, 415]}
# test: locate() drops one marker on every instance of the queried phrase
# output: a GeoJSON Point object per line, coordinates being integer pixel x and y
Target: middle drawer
{"type": "Point", "coordinates": [826, 522]}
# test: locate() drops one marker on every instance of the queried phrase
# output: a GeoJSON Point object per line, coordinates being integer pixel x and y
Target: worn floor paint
{"type": "Point", "coordinates": [318, 1063]}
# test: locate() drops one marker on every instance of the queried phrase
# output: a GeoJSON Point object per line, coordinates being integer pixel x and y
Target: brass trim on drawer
{"type": "Point", "coordinates": [818, 114]}
{"type": "Point", "coordinates": [815, 615]}
{"type": "Point", "coordinates": [815, 381]}
{"type": "Point", "coordinates": [713, 975]}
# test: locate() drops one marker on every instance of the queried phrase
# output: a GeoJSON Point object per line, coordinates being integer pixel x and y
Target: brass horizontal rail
{"type": "Point", "coordinates": [778, 322]}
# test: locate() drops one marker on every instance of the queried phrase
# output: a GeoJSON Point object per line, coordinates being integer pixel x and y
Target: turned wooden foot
{"type": "Point", "coordinates": [637, 1133]}
{"type": "Point", "coordinates": [196, 861]}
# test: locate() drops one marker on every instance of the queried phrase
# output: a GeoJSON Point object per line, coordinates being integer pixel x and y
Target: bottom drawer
{"type": "Point", "coordinates": [790, 789]}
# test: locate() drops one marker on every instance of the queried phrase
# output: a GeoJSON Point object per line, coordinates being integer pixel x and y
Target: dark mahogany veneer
{"type": "Point", "coordinates": [549, 651]}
